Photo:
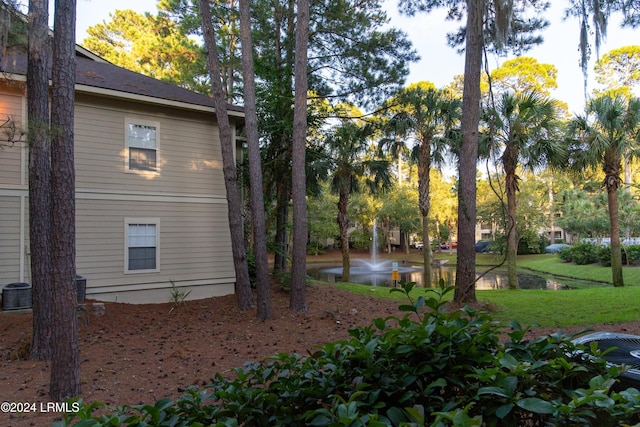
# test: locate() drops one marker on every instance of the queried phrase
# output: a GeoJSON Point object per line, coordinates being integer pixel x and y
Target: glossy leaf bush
{"type": "Point", "coordinates": [433, 367]}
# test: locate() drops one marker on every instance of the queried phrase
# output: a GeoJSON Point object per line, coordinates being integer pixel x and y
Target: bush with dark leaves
{"type": "Point", "coordinates": [432, 367]}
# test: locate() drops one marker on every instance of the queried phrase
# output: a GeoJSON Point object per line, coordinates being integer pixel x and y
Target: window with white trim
{"type": "Point", "coordinates": [142, 140]}
{"type": "Point", "coordinates": [142, 245]}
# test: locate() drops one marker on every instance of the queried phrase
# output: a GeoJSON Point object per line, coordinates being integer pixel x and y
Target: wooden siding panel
{"type": "Point", "coordinates": [11, 166]}
{"type": "Point", "coordinates": [194, 242]}
{"type": "Point", "coordinates": [9, 240]}
{"type": "Point", "coordinates": [10, 154]}
{"type": "Point", "coordinates": [189, 153]}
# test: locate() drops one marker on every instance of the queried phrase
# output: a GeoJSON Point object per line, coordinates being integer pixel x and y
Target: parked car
{"type": "Point", "coordinates": [418, 245]}
{"type": "Point", "coordinates": [482, 246]}
{"type": "Point", "coordinates": [555, 248]}
{"type": "Point", "coordinates": [445, 246]}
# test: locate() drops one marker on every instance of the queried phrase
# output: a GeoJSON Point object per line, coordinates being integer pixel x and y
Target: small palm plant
{"type": "Point", "coordinates": [178, 296]}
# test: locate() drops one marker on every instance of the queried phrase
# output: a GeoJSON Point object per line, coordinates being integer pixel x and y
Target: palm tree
{"type": "Point", "coordinates": [352, 165]}
{"type": "Point", "coordinates": [428, 116]}
{"type": "Point", "coordinates": [609, 128]}
{"type": "Point", "coordinates": [522, 130]}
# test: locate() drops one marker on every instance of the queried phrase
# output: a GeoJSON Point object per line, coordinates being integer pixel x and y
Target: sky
{"type": "Point", "coordinates": [440, 63]}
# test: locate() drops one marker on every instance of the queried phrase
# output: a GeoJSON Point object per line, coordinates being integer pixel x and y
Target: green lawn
{"type": "Point", "coordinates": [552, 264]}
{"type": "Point", "coordinates": [590, 303]}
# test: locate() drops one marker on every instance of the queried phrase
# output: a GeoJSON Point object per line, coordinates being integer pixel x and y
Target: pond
{"type": "Point", "coordinates": [411, 273]}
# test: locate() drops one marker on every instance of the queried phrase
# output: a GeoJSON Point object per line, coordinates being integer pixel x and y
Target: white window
{"type": "Point", "coordinates": [142, 249]}
{"type": "Point", "coordinates": [142, 141]}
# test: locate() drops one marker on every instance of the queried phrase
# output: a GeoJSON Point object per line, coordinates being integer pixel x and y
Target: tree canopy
{"type": "Point", "coordinates": [524, 74]}
{"type": "Point", "coordinates": [619, 68]}
{"type": "Point", "coordinates": [593, 17]}
{"type": "Point", "coordinates": [152, 45]}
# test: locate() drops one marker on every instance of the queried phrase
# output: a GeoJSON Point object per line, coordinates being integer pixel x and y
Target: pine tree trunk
{"type": "Point", "coordinates": [298, 162]}
{"type": "Point", "coordinates": [243, 286]}
{"type": "Point", "coordinates": [465, 266]}
{"type": "Point", "coordinates": [65, 360]}
{"type": "Point", "coordinates": [263, 285]}
{"type": "Point", "coordinates": [39, 179]}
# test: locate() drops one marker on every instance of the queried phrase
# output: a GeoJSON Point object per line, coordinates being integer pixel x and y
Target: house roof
{"type": "Point", "coordinates": [96, 75]}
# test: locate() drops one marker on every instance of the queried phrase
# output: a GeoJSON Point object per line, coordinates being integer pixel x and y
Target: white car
{"type": "Point", "coordinates": [555, 248]}
{"type": "Point", "coordinates": [418, 245]}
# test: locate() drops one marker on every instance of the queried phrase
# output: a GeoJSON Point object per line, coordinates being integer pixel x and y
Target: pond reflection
{"type": "Point", "coordinates": [492, 280]}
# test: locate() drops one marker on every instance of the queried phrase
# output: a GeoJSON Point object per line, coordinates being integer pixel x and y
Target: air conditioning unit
{"type": "Point", "coordinates": [16, 296]}
{"type": "Point", "coordinates": [626, 352]}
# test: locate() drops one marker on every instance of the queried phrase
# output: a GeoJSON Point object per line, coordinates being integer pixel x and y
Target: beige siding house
{"type": "Point", "coordinates": [151, 205]}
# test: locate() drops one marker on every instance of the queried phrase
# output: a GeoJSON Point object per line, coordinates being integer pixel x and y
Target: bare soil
{"type": "Point", "coordinates": [140, 353]}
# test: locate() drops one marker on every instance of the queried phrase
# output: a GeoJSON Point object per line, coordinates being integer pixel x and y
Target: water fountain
{"type": "Point", "coordinates": [375, 271]}
{"type": "Point", "coordinates": [374, 243]}
{"type": "Point", "coordinates": [378, 273]}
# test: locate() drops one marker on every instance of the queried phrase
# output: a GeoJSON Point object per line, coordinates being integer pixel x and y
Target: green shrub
{"type": "Point", "coordinates": [532, 243]}
{"type": "Point", "coordinates": [603, 254]}
{"type": "Point", "coordinates": [284, 279]}
{"type": "Point", "coordinates": [588, 253]}
{"type": "Point", "coordinates": [632, 253]}
{"type": "Point", "coordinates": [360, 239]}
{"type": "Point", "coordinates": [581, 254]}
{"type": "Point", "coordinates": [251, 264]}
{"type": "Point", "coordinates": [565, 254]}
{"type": "Point", "coordinates": [441, 367]}
{"type": "Point", "coordinates": [315, 250]}
{"type": "Point", "coordinates": [499, 245]}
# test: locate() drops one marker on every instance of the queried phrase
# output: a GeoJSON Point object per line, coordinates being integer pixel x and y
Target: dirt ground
{"type": "Point", "coordinates": [140, 353]}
